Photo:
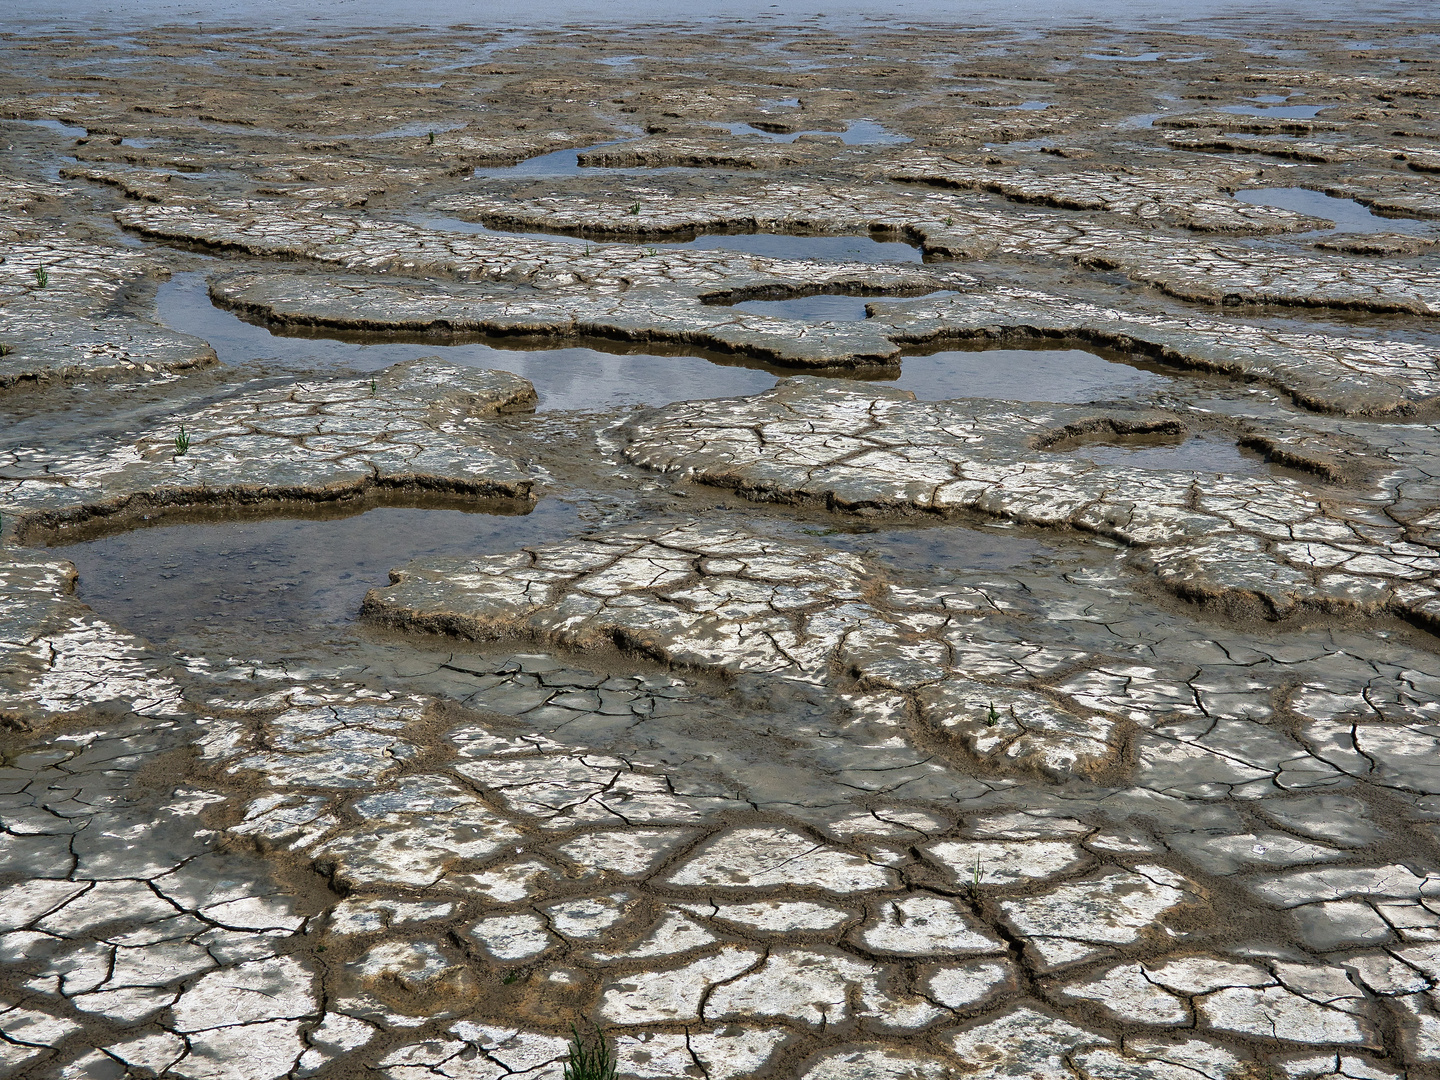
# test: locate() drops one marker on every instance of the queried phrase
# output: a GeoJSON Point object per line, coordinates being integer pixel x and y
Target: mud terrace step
{"type": "Point", "coordinates": [822, 733]}
{"type": "Point", "coordinates": [69, 328]}
{"type": "Point", "coordinates": [409, 427]}
{"type": "Point", "coordinates": [1229, 539]}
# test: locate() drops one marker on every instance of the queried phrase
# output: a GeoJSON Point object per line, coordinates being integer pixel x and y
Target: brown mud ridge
{"type": "Point", "coordinates": [854, 730]}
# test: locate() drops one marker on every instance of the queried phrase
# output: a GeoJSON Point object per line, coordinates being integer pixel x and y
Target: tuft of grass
{"type": "Point", "coordinates": [652, 251]}
{"type": "Point", "coordinates": [42, 277]}
{"type": "Point", "coordinates": [182, 442]}
{"type": "Point", "coordinates": [373, 388]}
{"type": "Point", "coordinates": [975, 881]}
{"type": "Point", "coordinates": [634, 209]}
{"type": "Point", "coordinates": [949, 221]}
{"type": "Point", "coordinates": [6, 350]}
{"type": "Point", "coordinates": [993, 718]}
{"type": "Point", "coordinates": [589, 1059]}
{"type": "Point", "coordinates": [432, 138]}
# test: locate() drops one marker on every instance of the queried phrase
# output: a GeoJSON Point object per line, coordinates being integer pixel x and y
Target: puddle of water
{"type": "Point", "coordinates": [1347, 214]}
{"type": "Point", "coordinates": [584, 378]}
{"type": "Point", "coordinates": [1032, 106]}
{"type": "Point", "coordinates": [246, 577]}
{"type": "Point", "coordinates": [418, 130]}
{"type": "Point", "coordinates": [590, 379]}
{"type": "Point", "coordinates": [1064, 376]}
{"type": "Point", "coordinates": [869, 133]}
{"type": "Point", "coordinates": [68, 130]}
{"type": "Point", "coordinates": [921, 548]}
{"type": "Point", "coordinates": [858, 133]}
{"type": "Point", "coordinates": [571, 378]}
{"type": "Point", "coordinates": [555, 163]}
{"type": "Point", "coordinates": [453, 224]}
{"type": "Point", "coordinates": [820, 308]}
{"type": "Point", "coordinates": [1141, 58]}
{"type": "Point", "coordinates": [1022, 144]}
{"type": "Point", "coordinates": [1140, 120]}
{"type": "Point", "coordinates": [1144, 58]}
{"type": "Point", "coordinates": [772, 245]}
{"type": "Point", "coordinates": [1283, 112]}
{"type": "Point", "coordinates": [1199, 453]}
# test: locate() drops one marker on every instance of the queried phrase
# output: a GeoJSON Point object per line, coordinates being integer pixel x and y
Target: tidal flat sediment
{"type": "Point", "coordinates": [805, 554]}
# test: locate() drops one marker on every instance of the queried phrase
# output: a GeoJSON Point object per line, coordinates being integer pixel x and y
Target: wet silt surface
{"type": "Point", "coordinates": [780, 548]}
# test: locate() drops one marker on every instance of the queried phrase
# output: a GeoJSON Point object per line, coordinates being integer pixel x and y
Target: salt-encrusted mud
{"type": "Point", "coordinates": [1327, 372]}
{"type": "Point", "coordinates": [661, 316]}
{"type": "Point", "coordinates": [1170, 197]}
{"type": "Point", "coordinates": [1350, 374]}
{"type": "Point", "coordinates": [846, 734]}
{"type": "Point", "coordinates": [1206, 536]}
{"type": "Point", "coordinates": [61, 660]}
{"type": "Point", "coordinates": [62, 317]}
{"type": "Point", "coordinates": [410, 428]}
{"type": "Point", "coordinates": [1201, 272]}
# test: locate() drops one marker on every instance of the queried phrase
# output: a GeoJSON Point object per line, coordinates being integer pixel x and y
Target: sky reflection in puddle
{"type": "Point", "coordinates": [254, 574]}
{"type": "Point", "coordinates": [1347, 214]}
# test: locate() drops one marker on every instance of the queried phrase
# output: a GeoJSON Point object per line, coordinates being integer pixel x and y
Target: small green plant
{"type": "Point", "coordinates": [975, 881]}
{"type": "Point", "coordinates": [949, 221]}
{"type": "Point", "coordinates": [42, 277]}
{"type": "Point", "coordinates": [589, 1059]}
{"type": "Point", "coordinates": [6, 350]}
{"type": "Point", "coordinates": [634, 210]}
{"type": "Point", "coordinates": [993, 718]}
{"type": "Point", "coordinates": [182, 441]}
{"type": "Point", "coordinates": [508, 979]}
{"type": "Point", "coordinates": [587, 251]}
{"type": "Point", "coordinates": [373, 388]}
{"type": "Point", "coordinates": [432, 138]}
{"type": "Point", "coordinates": [652, 251]}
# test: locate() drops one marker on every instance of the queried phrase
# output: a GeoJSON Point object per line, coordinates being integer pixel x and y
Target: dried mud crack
{"type": "Point", "coordinates": [1053, 692]}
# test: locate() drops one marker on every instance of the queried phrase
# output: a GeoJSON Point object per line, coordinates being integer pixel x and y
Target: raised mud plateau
{"type": "Point", "coordinates": [918, 554]}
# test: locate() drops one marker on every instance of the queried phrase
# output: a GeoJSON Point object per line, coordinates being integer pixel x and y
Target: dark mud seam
{"type": "Point", "coordinates": [639, 233]}
{"type": "Point", "coordinates": [1106, 428]}
{"type": "Point", "coordinates": [785, 291]}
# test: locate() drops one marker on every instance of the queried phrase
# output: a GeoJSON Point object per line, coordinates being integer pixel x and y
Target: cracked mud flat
{"type": "Point", "coordinates": [814, 730]}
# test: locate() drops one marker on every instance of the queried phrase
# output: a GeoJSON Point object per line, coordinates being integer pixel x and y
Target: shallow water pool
{"type": "Point", "coordinates": [1064, 376]}
{"type": "Point", "coordinates": [1347, 214]}
{"type": "Point", "coordinates": [252, 575]}
{"type": "Point", "coordinates": [568, 378]}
